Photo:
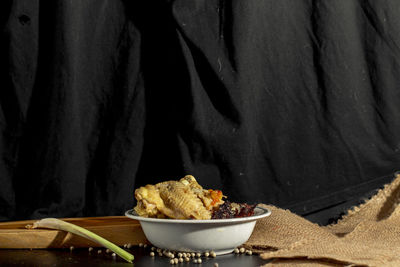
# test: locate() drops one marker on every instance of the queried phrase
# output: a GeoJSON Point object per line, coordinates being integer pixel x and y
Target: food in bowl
{"type": "Point", "coordinates": [233, 210]}
{"type": "Point", "coordinates": [183, 216]}
{"type": "Point", "coordinates": [218, 235]}
{"type": "Point", "coordinates": [187, 199]}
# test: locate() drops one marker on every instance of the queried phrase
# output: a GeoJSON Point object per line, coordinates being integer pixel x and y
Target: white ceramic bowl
{"type": "Point", "coordinates": [219, 235]}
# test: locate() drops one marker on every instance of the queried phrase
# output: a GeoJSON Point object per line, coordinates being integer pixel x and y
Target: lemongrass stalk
{"type": "Point", "coordinates": [57, 224]}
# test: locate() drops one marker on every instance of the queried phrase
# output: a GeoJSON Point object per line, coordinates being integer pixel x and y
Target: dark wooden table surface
{"type": "Point", "coordinates": [82, 257]}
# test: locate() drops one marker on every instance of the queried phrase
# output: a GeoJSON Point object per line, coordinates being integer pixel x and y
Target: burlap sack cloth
{"type": "Point", "coordinates": [368, 235]}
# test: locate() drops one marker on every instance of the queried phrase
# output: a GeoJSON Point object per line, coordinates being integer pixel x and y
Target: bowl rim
{"type": "Point", "coordinates": [262, 212]}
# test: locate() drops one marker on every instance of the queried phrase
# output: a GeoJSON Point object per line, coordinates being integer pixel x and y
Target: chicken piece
{"type": "Point", "coordinates": [183, 199]}
{"type": "Point", "coordinates": [149, 202]}
{"type": "Point", "coordinates": [210, 198]}
{"type": "Point", "coordinates": [190, 181]}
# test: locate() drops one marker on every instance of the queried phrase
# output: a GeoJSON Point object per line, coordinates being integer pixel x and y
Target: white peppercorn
{"type": "Point", "coordinates": [249, 252]}
{"type": "Point", "coordinates": [152, 254]}
{"type": "Point", "coordinates": [242, 250]}
{"type": "Point", "coordinates": [236, 251]}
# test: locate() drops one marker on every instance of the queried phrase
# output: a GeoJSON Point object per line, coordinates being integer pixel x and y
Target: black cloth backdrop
{"type": "Point", "coordinates": [290, 102]}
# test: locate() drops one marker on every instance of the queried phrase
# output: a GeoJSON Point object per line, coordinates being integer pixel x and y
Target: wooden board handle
{"type": "Point", "coordinates": [118, 229]}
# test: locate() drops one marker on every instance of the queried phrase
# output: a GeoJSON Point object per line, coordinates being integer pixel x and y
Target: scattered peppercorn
{"type": "Point", "coordinates": [152, 254]}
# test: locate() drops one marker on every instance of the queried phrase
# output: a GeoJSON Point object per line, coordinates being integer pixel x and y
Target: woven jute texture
{"type": "Point", "coordinates": [368, 235]}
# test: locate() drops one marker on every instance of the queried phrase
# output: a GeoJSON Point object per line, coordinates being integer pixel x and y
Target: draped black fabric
{"type": "Point", "coordinates": [292, 102]}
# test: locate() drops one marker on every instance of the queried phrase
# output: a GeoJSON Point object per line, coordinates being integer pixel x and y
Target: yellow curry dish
{"type": "Point", "coordinates": [183, 199]}
{"type": "Point", "coordinates": [187, 199]}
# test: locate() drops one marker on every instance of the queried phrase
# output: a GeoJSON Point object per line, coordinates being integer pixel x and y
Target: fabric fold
{"type": "Point", "coordinates": [368, 235]}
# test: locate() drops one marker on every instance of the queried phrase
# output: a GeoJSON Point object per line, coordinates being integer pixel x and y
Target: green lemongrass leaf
{"type": "Point", "coordinates": [57, 224]}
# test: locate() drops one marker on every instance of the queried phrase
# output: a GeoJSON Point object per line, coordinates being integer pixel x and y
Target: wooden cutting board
{"type": "Point", "coordinates": [118, 229]}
